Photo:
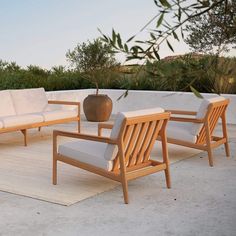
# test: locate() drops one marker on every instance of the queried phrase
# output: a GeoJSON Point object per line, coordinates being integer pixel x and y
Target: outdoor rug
{"type": "Point", "coordinates": [27, 171]}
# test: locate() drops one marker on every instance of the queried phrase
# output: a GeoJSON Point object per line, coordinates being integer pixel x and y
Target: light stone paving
{"type": "Point", "coordinates": [202, 201]}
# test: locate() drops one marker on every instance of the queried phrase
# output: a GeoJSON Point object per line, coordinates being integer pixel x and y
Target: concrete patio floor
{"type": "Point", "coordinates": [202, 201]}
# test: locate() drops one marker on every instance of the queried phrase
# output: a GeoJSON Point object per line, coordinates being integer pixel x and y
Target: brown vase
{"type": "Point", "coordinates": [97, 107]}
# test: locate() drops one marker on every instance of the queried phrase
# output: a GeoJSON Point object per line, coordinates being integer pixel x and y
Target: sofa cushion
{"type": "Point", "coordinates": [89, 152]}
{"type": "Point", "coordinates": [29, 100]}
{"type": "Point", "coordinates": [180, 131]}
{"type": "Point", "coordinates": [112, 149]}
{"type": "Point", "coordinates": [6, 104]}
{"type": "Point", "coordinates": [196, 128]}
{"type": "Point", "coordinates": [11, 121]}
{"type": "Point", "coordinates": [59, 114]}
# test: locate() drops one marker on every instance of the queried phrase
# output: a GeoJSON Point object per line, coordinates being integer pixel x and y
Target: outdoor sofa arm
{"type": "Point", "coordinates": [69, 103]}
{"type": "Point", "coordinates": [185, 119]}
{"type": "Point", "coordinates": [57, 133]}
{"type": "Point", "coordinates": [181, 112]}
{"type": "Point", "coordinates": [104, 126]}
{"type": "Point", "coordinates": [63, 102]}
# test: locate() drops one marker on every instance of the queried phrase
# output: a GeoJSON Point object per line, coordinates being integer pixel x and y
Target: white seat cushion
{"type": "Point", "coordinates": [112, 149]}
{"type": "Point", "coordinates": [180, 131]}
{"type": "Point", "coordinates": [89, 152]}
{"type": "Point", "coordinates": [29, 100]}
{"type": "Point", "coordinates": [6, 104]}
{"type": "Point", "coordinates": [11, 121]}
{"type": "Point", "coordinates": [196, 128]}
{"type": "Point", "coordinates": [59, 114]}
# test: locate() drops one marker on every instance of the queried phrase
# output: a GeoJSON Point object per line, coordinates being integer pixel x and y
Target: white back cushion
{"type": "Point", "coordinates": [29, 100]}
{"type": "Point", "coordinates": [6, 104]}
{"type": "Point", "coordinates": [196, 128]}
{"type": "Point", "coordinates": [111, 150]}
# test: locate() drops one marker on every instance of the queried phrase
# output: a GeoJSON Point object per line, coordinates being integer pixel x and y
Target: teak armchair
{"type": "Point", "coordinates": [197, 130]}
{"type": "Point", "coordinates": [122, 157]}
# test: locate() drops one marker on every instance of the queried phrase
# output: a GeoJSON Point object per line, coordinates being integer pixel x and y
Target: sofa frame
{"type": "Point", "coordinates": [24, 128]}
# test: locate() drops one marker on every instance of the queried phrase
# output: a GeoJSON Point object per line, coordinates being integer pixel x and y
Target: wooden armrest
{"type": "Point", "coordinates": [180, 112]}
{"type": "Point", "coordinates": [83, 136]}
{"type": "Point", "coordinates": [63, 102]}
{"type": "Point", "coordinates": [104, 126]}
{"type": "Point", "coordinates": [185, 119]}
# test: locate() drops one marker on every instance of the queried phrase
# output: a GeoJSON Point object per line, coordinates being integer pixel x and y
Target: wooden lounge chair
{"type": "Point", "coordinates": [122, 157]}
{"type": "Point", "coordinates": [197, 130]}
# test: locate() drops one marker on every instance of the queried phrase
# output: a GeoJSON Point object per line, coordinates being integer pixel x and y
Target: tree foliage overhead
{"type": "Point", "coordinates": [216, 28]}
{"type": "Point", "coordinates": [91, 56]}
{"type": "Point", "coordinates": [169, 22]}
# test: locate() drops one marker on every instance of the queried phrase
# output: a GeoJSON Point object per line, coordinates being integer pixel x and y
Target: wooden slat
{"type": "Point", "coordinates": [131, 143]}
{"type": "Point", "coordinates": [146, 141]}
{"type": "Point", "coordinates": [126, 137]}
{"type": "Point", "coordinates": [139, 166]}
{"type": "Point", "coordinates": [88, 167]}
{"type": "Point", "coordinates": [147, 118]}
{"type": "Point", "coordinates": [145, 171]}
{"type": "Point", "coordinates": [138, 144]}
{"type": "Point", "coordinates": [152, 140]}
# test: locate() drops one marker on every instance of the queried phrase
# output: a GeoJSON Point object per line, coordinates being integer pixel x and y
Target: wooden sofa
{"type": "Point", "coordinates": [24, 109]}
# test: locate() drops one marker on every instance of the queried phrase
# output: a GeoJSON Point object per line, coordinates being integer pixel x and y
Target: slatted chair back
{"type": "Point", "coordinates": [138, 135]}
{"type": "Point", "coordinates": [215, 111]}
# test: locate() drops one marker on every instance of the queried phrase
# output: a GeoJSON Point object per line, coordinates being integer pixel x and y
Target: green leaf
{"type": "Point", "coordinates": [126, 47]}
{"type": "Point", "coordinates": [175, 35]}
{"type": "Point", "coordinates": [130, 39]}
{"type": "Point", "coordinates": [125, 94]}
{"type": "Point", "coordinates": [169, 45]}
{"type": "Point", "coordinates": [153, 36]}
{"type": "Point", "coordinates": [105, 39]}
{"type": "Point", "coordinates": [165, 3]}
{"type": "Point", "coordinates": [182, 32]}
{"type": "Point", "coordinates": [179, 14]}
{"type": "Point", "coordinates": [135, 50]}
{"type": "Point", "coordinates": [196, 93]}
{"type": "Point", "coordinates": [113, 36]}
{"type": "Point", "coordinates": [139, 41]}
{"type": "Point", "coordinates": [160, 20]}
{"type": "Point", "coordinates": [119, 41]}
{"type": "Point", "coordinates": [156, 54]}
{"type": "Point", "coordinates": [156, 3]}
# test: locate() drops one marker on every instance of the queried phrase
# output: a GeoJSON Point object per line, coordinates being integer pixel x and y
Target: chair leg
{"type": "Point", "coordinates": [79, 126]}
{"type": "Point", "coordinates": [224, 129]}
{"type": "Point", "coordinates": [39, 129]}
{"type": "Point", "coordinates": [227, 151]}
{"type": "Point", "coordinates": [210, 157]}
{"type": "Point", "coordinates": [122, 173]}
{"type": "Point", "coordinates": [166, 159]}
{"type": "Point", "coordinates": [24, 132]}
{"type": "Point", "coordinates": [54, 171]}
{"type": "Point", "coordinates": [125, 190]}
{"type": "Point", "coordinates": [208, 143]}
{"type": "Point", "coordinates": [167, 175]}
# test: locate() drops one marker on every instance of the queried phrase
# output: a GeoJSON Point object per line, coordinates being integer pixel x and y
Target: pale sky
{"type": "Point", "coordinates": [40, 32]}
